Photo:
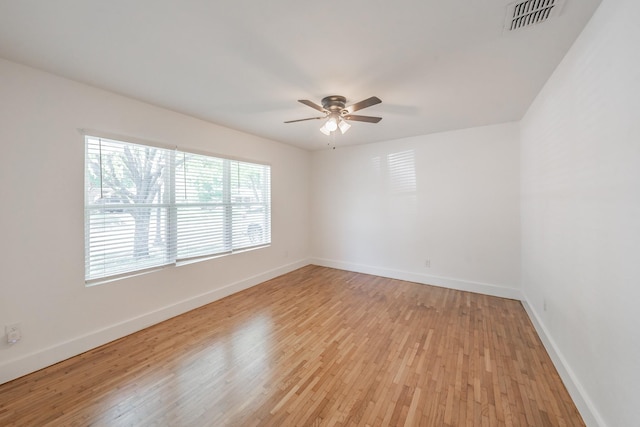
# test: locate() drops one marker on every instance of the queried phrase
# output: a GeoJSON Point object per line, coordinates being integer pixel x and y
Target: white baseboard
{"type": "Point", "coordinates": [16, 368]}
{"type": "Point", "coordinates": [26, 364]}
{"type": "Point", "coordinates": [590, 415]}
{"type": "Point", "coordinates": [444, 282]}
{"type": "Point", "coordinates": [585, 406]}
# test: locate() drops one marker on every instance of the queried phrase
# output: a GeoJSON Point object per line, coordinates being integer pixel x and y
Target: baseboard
{"type": "Point", "coordinates": [32, 362]}
{"type": "Point", "coordinates": [585, 406]}
{"type": "Point", "coordinates": [26, 364]}
{"type": "Point", "coordinates": [444, 282]}
{"type": "Point", "coordinates": [590, 415]}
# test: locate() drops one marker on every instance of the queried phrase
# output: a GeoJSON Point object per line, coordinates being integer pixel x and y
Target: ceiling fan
{"type": "Point", "coordinates": [337, 114]}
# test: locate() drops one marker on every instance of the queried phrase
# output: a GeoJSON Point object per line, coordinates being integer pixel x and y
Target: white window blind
{"type": "Point", "coordinates": [249, 207]}
{"type": "Point", "coordinates": [200, 205]}
{"type": "Point", "coordinates": [147, 207]}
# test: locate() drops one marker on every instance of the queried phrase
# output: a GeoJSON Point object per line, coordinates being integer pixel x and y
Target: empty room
{"type": "Point", "coordinates": [364, 213]}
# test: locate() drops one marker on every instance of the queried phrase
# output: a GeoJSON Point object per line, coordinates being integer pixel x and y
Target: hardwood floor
{"type": "Point", "coordinates": [314, 347]}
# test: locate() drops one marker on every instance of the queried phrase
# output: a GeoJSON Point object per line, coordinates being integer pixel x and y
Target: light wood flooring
{"type": "Point", "coordinates": [315, 347]}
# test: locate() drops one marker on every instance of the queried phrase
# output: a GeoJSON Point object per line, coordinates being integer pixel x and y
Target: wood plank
{"type": "Point", "coordinates": [317, 346]}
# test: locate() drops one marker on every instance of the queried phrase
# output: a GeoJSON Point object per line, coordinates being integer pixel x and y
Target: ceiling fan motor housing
{"type": "Point", "coordinates": [335, 104]}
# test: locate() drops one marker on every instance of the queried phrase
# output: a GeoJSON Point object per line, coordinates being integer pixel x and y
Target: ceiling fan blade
{"type": "Point", "coordinates": [367, 119]}
{"type": "Point", "coordinates": [312, 105]}
{"type": "Point", "coordinates": [302, 120]}
{"type": "Point", "coordinates": [363, 104]}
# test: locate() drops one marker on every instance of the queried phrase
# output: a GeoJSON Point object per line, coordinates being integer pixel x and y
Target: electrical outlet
{"type": "Point", "coordinates": [14, 334]}
{"type": "Point", "coordinates": [427, 263]}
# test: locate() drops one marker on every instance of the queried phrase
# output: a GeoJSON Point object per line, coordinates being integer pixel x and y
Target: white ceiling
{"type": "Point", "coordinates": [437, 65]}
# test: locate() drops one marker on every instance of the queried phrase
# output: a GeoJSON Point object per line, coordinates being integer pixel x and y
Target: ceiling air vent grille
{"type": "Point", "coordinates": [529, 12]}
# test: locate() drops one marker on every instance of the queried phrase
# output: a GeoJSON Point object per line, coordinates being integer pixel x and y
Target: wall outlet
{"type": "Point", "coordinates": [14, 333]}
{"type": "Point", "coordinates": [544, 304]}
{"type": "Point", "coordinates": [427, 263]}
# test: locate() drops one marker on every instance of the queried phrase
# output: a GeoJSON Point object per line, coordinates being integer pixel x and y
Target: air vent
{"type": "Point", "coordinates": [530, 12]}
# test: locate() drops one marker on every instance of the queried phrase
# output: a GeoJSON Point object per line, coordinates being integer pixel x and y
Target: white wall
{"type": "Point", "coordinates": [581, 214]}
{"type": "Point", "coordinates": [41, 220]}
{"type": "Point", "coordinates": [451, 197]}
{"type": "Point", "coordinates": [558, 213]}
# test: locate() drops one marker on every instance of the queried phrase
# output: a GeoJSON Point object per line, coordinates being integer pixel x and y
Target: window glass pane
{"type": "Point", "coordinates": [200, 231]}
{"type": "Point", "coordinates": [249, 226]}
{"type": "Point", "coordinates": [250, 198]}
{"type": "Point", "coordinates": [199, 179]}
{"type": "Point", "coordinates": [126, 222]}
{"type": "Point", "coordinates": [200, 207]}
{"type": "Point", "coordinates": [123, 240]}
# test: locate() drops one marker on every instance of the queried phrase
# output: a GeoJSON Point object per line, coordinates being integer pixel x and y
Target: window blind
{"type": "Point", "coordinates": [147, 207]}
{"type": "Point", "coordinates": [249, 205]}
{"type": "Point", "coordinates": [200, 205]}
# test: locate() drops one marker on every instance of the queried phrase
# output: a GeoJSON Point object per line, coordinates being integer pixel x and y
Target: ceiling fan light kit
{"type": "Point", "coordinates": [336, 113]}
{"type": "Point", "coordinates": [330, 125]}
{"type": "Point", "coordinates": [344, 126]}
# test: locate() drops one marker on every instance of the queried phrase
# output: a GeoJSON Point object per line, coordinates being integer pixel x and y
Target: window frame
{"type": "Point", "coordinates": [173, 206]}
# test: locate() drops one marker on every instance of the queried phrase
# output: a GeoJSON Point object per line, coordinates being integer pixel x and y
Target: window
{"type": "Point", "coordinates": [147, 207]}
